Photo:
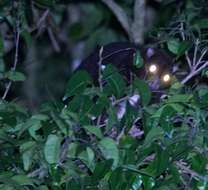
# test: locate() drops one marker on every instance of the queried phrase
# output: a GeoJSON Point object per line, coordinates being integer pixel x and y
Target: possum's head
{"type": "Point", "coordinates": [159, 68]}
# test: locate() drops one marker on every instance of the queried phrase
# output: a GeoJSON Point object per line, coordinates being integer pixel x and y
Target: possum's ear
{"type": "Point", "coordinates": [150, 52]}
{"type": "Point", "coordinates": [175, 69]}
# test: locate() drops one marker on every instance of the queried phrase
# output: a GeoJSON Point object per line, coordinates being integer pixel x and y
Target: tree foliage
{"type": "Point", "coordinates": [81, 143]}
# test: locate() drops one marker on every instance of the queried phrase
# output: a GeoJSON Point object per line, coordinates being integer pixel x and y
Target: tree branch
{"type": "Point", "coordinates": [195, 66]}
{"type": "Point", "coordinates": [120, 15]}
{"type": "Point", "coordinates": [137, 28]}
{"type": "Point", "coordinates": [17, 38]}
{"type": "Point", "coordinates": [194, 73]}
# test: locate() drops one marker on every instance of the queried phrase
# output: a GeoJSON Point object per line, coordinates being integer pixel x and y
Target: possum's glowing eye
{"type": "Point", "coordinates": [153, 69]}
{"type": "Point", "coordinates": [166, 78]}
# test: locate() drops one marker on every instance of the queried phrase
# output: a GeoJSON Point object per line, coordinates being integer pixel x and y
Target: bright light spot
{"type": "Point", "coordinates": [153, 69]}
{"type": "Point", "coordinates": [103, 67]}
{"type": "Point", "coordinates": [166, 78]}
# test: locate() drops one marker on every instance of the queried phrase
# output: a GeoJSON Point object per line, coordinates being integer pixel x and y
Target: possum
{"type": "Point", "coordinates": [157, 69]}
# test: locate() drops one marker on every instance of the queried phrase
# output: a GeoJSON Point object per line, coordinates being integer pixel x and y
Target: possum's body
{"type": "Point", "coordinates": [121, 55]}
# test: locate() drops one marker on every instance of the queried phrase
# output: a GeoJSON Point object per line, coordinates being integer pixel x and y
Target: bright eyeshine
{"type": "Point", "coordinates": [153, 69]}
{"type": "Point", "coordinates": [166, 78]}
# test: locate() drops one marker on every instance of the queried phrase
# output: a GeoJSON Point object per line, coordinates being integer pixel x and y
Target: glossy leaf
{"type": "Point", "coordinates": [173, 46]}
{"type": "Point", "coordinates": [15, 76]}
{"type": "Point", "coordinates": [155, 133]}
{"type": "Point", "coordinates": [94, 130]}
{"type": "Point", "coordinates": [23, 180]}
{"type": "Point", "coordinates": [77, 83]}
{"type": "Point", "coordinates": [109, 150]}
{"type": "Point", "coordinates": [115, 82]}
{"type": "Point", "coordinates": [144, 91]}
{"type": "Point", "coordinates": [138, 60]}
{"type": "Point", "coordinates": [52, 149]}
{"type": "Point", "coordinates": [184, 46]}
{"type": "Point", "coordinates": [27, 150]}
{"type": "Point", "coordinates": [88, 157]}
{"type": "Point", "coordinates": [101, 169]}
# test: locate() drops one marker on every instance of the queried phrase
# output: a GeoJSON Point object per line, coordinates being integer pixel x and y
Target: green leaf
{"type": "Point", "coordinates": [144, 91]}
{"type": "Point", "coordinates": [181, 98]}
{"type": "Point", "coordinates": [175, 173]}
{"type": "Point", "coordinates": [137, 183]}
{"type": "Point", "coordinates": [100, 105]}
{"type": "Point", "coordinates": [35, 126]}
{"type": "Point", "coordinates": [27, 150]}
{"type": "Point", "coordinates": [138, 60]}
{"type": "Point", "coordinates": [177, 47]}
{"type": "Point", "coordinates": [88, 157]}
{"type": "Point", "coordinates": [148, 182]}
{"type": "Point", "coordinates": [167, 112]}
{"type": "Point", "coordinates": [31, 124]}
{"type": "Point", "coordinates": [52, 149]}
{"type": "Point", "coordinates": [118, 179]}
{"type": "Point", "coordinates": [154, 134]}
{"type": "Point", "coordinates": [6, 178]}
{"type": "Point", "coordinates": [173, 45]}
{"type": "Point", "coordinates": [27, 37]}
{"type": "Point", "coordinates": [94, 130]}
{"type": "Point", "coordinates": [22, 180]}
{"type": "Point", "coordinates": [77, 84]}
{"type": "Point", "coordinates": [72, 150]}
{"type": "Point", "coordinates": [6, 187]}
{"type": "Point", "coordinates": [15, 76]}
{"type": "Point", "coordinates": [59, 122]}
{"type": "Point", "coordinates": [133, 168]}
{"type": "Point", "coordinates": [115, 82]}
{"type": "Point", "coordinates": [201, 23]}
{"type": "Point", "coordinates": [161, 161]}
{"type": "Point", "coordinates": [101, 169]}
{"type": "Point", "coordinates": [109, 149]}
{"type": "Point", "coordinates": [43, 187]}
{"type": "Point", "coordinates": [175, 106]}
{"type": "Point", "coordinates": [183, 47]}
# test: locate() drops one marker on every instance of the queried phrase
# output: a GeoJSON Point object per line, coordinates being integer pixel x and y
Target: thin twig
{"type": "Point", "coordinates": [36, 172]}
{"type": "Point", "coordinates": [63, 152]}
{"type": "Point", "coordinates": [43, 18]}
{"type": "Point", "coordinates": [200, 58]}
{"type": "Point", "coordinates": [54, 42]}
{"type": "Point", "coordinates": [119, 51]}
{"type": "Point", "coordinates": [187, 170]}
{"type": "Point", "coordinates": [120, 135]}
{"type": "Point", "coordinates": [100, 68]}
{"type": "Point", "coordinates": [120, 100]}
{"type": "Point", "coordinates": [186, 52]}
{"type": "Point", "coordinates": [15, 59]}
{"type": "Point", "coordinates": [100, 78]}
{"type": "Point", "coordinates": [195, 51]}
